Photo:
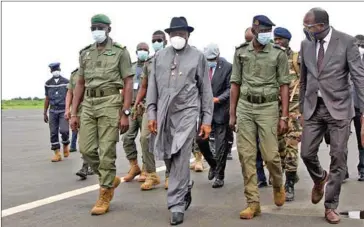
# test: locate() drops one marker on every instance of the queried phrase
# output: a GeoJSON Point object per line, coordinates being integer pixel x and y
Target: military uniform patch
{"type": "Point", "coordinates": [256, 22]}
{"type": "Point", "coordinates": [118, 45]}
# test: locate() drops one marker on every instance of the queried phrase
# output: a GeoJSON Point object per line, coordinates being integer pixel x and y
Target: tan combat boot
{"type": "Point", "coordinates": [151, 181]}
{"type": "Point", "coordinates": [251, 211]}
{"type": "Point", "coordinates": [279, 195]}
{"type": "Point", "coordinates": [166, 183]}
{"type": "Point", "coordinates": [199, 164]}
{"type": "Point", "coordinates": [143, 175]}
{"type": "Point", "coordinates": [66, 151]}
{"type": "Point", "coordinates": [103, 203]}
{"type": "Point", "coordinates": [57, 156]}
{"type": "Point", "coordinates": [115, 184]}
{"type": "Point", "coordinates": [133, 171]}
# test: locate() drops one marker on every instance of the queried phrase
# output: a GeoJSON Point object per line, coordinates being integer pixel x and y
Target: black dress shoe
{"type": "Point", "coordinates": [229, 157]}
{"type": "Point", "coordinates": [177, 218]}
{"type": "Point", "coordinates": [218, 183]}
{"type": "Point", "coordinates": [262, 184]}
{"type": "Point", "coordinates": [211, 174]}
{"type": "Point", "coordinates": [361, 177]}
{"type": "Point", "coordinates": [188, 196]}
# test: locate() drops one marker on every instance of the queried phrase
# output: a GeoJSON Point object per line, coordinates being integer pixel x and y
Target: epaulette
{"type": "Point", "coordinates": [85, 48]}
{"type": "Point", "coordinates": [279, 47]}
{"type": "Point", "coordinates": [115, 44]}
{"type": "Point", "coordinates": [242, 45]}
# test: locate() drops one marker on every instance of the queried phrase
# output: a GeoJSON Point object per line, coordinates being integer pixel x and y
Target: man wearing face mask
{"type": "Point", "coordinates": [327, 58]}
{"type": "Point", "coordinates": [158, 43]}
{"type": "Point", "coordinates": [137, 118]}
{"type": "Point", "coordinates": [288, 143]}
{"type": "Point", "coordinates": [259, 77]}
{"type": "Point", "coordinates": [105, 68]}
{"type": "Point", "coordinates": [55, 99]}
{"type": "Point", "coordinates": [178, 91]}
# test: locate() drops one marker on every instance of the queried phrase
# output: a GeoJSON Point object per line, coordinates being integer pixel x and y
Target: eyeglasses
{"type": "Point", "coordinates": [157, 40]}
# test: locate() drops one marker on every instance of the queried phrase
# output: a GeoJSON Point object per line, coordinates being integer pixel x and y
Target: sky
{"type": "Point", "coordinates": [35, 34]}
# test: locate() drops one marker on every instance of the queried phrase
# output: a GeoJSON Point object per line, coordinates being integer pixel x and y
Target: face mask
{"type": "Point", "coordinates": [264, 38]}
{"type": "Point", "coordinates": [361, 51]}
{"type": "Point", "coordinates": [212, 64]}
{"type": "Point", "coordinates": [56, 73]}
{"type": "Point", "coordinates": [157, 46]}
{"type": "Point", "coordinates": [99, 36]}
{"type": "Point", "coordinates": [142, 55]}
{"type": "Point", "coordinates": [178, 42]}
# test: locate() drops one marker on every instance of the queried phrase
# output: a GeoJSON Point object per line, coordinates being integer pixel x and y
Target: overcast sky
{"type": "Point", "coordinates": [38, 33]}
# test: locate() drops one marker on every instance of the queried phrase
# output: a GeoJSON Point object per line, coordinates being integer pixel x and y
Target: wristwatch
{"type": "Point", "coordinates": [127, 112]}
{"type": "Point", "coordinates": [284, 118]}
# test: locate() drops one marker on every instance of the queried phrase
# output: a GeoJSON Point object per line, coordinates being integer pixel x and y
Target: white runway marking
{"type": "Point", "coordinates": [59, 197]}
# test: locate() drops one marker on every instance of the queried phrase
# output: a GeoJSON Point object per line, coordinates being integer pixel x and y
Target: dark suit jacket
{"type": "Point", "coordinates": [221, 89]}
{"type": "Point", "coordinates": [341, 58]}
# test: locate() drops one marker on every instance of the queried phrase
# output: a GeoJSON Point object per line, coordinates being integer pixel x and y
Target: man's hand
{"type": "Point", "coordinates": [232, 123]}
{"type": "Point", "coordinates": [152, 126]}
{"type": "Point", "coordinates": [45, 118]}
{"type": "Point", "coordinates": [283, 127]}
{"type": "Point", "coordinates": [67, 114]}
{"type": "Point", "coordinates": [75, 123]}
{"type": "Point", "coordinates": [205, 131]}
{"type": "Point", "coordinates": [124, 124]}
{"type": "Point", "coordinates": [216, 100]}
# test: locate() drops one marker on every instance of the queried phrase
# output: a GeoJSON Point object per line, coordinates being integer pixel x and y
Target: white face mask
{"type": "Point", "coordinates": [178, 42]}
{"type": "Point", "coordinates": [361, 51]}
{"type": "Point", "coordinates": [56, 73]}
{"type": "Point", "coordinates": [99, 36]}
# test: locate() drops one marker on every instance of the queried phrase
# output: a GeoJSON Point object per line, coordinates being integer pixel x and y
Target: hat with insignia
{"type": "Point", "coordinates": [282, 33]}
{"type": "Point", "coordinates": [54, 65]}
{"type": "Point", "coordinates": [261, 20]}
{"type": "Point", "coordinates": [100, 18]}
{"type": "Point", "coordinates": [179, 23]}
{"type": "Point", "coordinates": [211, 51]}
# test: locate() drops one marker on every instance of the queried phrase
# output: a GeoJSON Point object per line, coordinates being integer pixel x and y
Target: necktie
{"type": "Point", "coordinates": [210, 73]}
{"type": "Point", "coordinates": [321, 54]}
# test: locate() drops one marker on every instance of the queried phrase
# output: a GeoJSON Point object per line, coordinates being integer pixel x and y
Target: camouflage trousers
{"type": "Point", "coordinates": [288, 143]}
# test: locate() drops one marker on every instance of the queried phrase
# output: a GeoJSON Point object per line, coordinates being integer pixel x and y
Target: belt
{"type": "Point", "coordinates": [101, 92]}
{"type": "Point", "coordinates": [57, 107]}
{"type": "Point", "coordinates": [260, 99]}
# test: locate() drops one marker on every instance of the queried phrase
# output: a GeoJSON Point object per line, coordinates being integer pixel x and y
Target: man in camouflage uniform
{"type": "Point", "coordinates": [85, 169]}
{"type": "Point", "coordinates": [135, 122]}
{"type": "Point", "coordinates": [105, 68]}
{"type": "Point", "coordinates": [288, 143]}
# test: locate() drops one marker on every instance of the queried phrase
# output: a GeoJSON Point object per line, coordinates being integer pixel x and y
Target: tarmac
{"type": "Point", "coordinates": [37, 192]}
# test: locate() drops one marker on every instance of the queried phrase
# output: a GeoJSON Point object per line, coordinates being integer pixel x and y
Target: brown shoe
{"type": "Point", "coordinates": [66, 151]}
{"type": "Point", "coordinates": [115, 184]}
{"type": "Point", "coordinates": [103, 203]}
{"type": "Point", "coordinates": [279, 195]}
{"type": "Point", "coordinates": [57, 156]}
{"type": "Point", "coordinates": [151, 181]}
{"type": "Point", "coordinates": [332, 216]}
{"type": "Point", "coordinates": [198, 162]}
{"type": "Point", "coordinates": [166, 184]}
{"type": "Point", "coordinates": [143, 176]}
{"type": "Point", "coordinates": [318, 190]}
{"type": "Point", "coordinates": [252, 210]}
{"type": "Point", "coordinates": [133, 171]}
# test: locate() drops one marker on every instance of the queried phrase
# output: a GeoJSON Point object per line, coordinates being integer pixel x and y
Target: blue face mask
{"type": "Point", "coordinates": [142, 55]}
{"type": "Point", "coordinates": [264, 38]}
{"type": "Point", "coordinates": [212, 64]}
{"type": "Point", "coordinates": [157, 46]}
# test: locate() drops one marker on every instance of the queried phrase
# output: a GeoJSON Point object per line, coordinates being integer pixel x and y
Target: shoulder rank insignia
{"type": "Point", "coordinates": [115, 44]}
{"type": "Point", "coordinates": [279, 47]}
{"type": "Point", "coordinates": [85, 48]}
{"type": "Point", "coordinates": [242, 45]}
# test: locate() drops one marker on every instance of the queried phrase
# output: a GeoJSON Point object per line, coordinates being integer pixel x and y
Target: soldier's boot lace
{"type": "Point", "coordinates": [103, 203]}
{"type": "Point", "coordinates": [152, 180]}
{"type": "Point", "coordinates": [133, 171]}
{"type": "Point", "coordinates": [252, 210]}
{"type": "Point", "coordinates": [57, 156]}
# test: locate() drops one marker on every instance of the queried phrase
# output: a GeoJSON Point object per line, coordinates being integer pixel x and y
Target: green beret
{"type": "Point", "coordinates": [100, 18]}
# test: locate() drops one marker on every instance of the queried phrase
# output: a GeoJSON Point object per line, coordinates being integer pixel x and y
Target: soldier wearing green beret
{"type": "Point", "coordinates": [105, 69]}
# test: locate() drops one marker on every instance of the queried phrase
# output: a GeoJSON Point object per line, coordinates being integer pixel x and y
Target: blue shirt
{"type": "Point", "coordinates": [56, 91]}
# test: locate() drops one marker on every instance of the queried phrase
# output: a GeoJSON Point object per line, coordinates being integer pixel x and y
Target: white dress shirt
{"type": "Point", "coordinates": [326, 44]}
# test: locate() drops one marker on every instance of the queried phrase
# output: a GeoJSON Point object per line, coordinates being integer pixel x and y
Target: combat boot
{"type": "Point", "coordinates": [103, 203]}
{"type": "Point", "coordinates": [193, 164]}
{"type": "Point", "coordinates": [90, 171]}
{"type": "Point", "coordinates": [279, 195]}
{"type": "Point", "coordinates": [289, 187]}
{"type": "Point", "coordinates": [252, 210]}
{"type": "Point", "coordinates": [83, 172]}
{"type": "Point", "coordinates": [115, 184]}
{"type": "Point", "coordinates": [198, 162]}
{"type": "Point", "coordinates": [133, 171]}
{"type": "Point", "coordinates": [143, 175]}
{"type": "Point", "coordinates": [151, 181]}
{"type": "Point", "coordinates": [166, 184]}
{"type": "Point", "coordinates": [57, 156]}
{"type": "Point", "coordinates": [66, 151]}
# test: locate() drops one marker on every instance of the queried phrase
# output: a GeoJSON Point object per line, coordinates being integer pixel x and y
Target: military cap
{"type": "Point", "coordinates": [211, 51]}
{"type": "Point", "coordinates": [100, 18]}
{"type": "Point", "coordinates": [261, 20]}
{"type": "Point", "coordinates": [282, 33]}
{"type": "Point", "coordinates": [54, 65]}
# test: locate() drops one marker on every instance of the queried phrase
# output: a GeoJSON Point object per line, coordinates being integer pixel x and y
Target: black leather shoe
{"type": "Point", "coordinates": [82, 172]}
{"type": "Point", "coordinates": [262, 184]}
{"type": "Point", "coordinates": [361, 177]}
{"type": "Point", "coordinates": [188, 197]}
{"type": "Point", "coordinates": [218, 183]}
{"type": "Point", "coordinates": [177, 218]}
{"type": "Point", "coordinates": [211, 174]}
{"type": "Point", "coordinates": [229, 157]}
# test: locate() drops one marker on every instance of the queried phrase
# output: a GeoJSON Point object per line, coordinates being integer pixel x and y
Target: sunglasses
{"type": "Point", "coordinates": [157, 40]}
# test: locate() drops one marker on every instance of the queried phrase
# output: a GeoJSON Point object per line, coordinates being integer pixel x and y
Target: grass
{"type": "Point", "coordinates": [22, 104]}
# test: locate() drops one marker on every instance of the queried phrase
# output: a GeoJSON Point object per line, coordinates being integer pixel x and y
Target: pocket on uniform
{"type": "Point", "coordinates": [113, 124]}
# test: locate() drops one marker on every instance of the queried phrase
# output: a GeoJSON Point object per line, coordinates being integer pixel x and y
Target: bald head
{"type": "Point", "coordinates": [249, 34]}
{"type": "Point", "coordinates": [143, 46]}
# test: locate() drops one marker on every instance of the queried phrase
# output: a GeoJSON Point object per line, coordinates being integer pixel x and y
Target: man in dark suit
{"type": "Point", "coordinates": [328, 56]}
{"type": "Point", "coordinates": [219, 74]}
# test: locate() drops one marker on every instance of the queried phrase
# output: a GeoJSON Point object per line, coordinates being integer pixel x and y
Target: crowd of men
{"type": "Point", "coordinates": [184, 100]}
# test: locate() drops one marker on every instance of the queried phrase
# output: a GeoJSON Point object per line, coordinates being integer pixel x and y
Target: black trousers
{"type": "Point", "coordinates": [217, 161]}
{"type": "Point", "coordinates": [357, 126]}
{"type": "Point", "coordinates": [58, 125]}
